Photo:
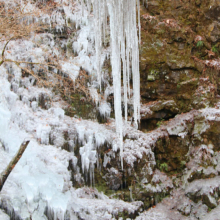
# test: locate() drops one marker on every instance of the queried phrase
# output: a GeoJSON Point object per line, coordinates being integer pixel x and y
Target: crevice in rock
{"type": "Point", "coordinates": [160, 117]}
{"type": "Point", "coordinates": [184, 68]}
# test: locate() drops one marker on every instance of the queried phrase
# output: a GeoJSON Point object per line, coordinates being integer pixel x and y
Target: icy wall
{"type": "Point", "coordinates": [40, 186]}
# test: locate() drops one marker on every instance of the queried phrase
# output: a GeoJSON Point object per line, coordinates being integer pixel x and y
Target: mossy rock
{"type": "Point", "coordinates": [172, 151]}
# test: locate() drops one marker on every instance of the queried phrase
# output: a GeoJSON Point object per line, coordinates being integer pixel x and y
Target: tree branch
{"type": "Point", "coordinates": [20, 62]}
{"type": "Point", "coordinates": [4, 175]}
{"type": "Point", "coordinates": [3, 51]}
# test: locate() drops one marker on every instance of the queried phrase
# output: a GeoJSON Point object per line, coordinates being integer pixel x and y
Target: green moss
{"type": "Point", "coordinates": [159, 123]}
{"type": "Point", "coordinates": [214, 49]}
{"type": "Point", "coordinates": [200, 43]}
{"type": "Point", "coordinates": [69, 45]}
{"type": "Point", "coordinates": [160, 31]}
{"type": "Point", "coordinates": [182, 164]}
{"type": "Point", "coordinates": [81, 107]}
{"type": "Point", "coordinates": [100, 183]}
{"type": "Point", "coordinates": [163, 167]}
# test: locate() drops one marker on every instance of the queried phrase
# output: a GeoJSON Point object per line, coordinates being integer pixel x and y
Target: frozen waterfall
{"type": "Point", "coordinates": [124, 42]}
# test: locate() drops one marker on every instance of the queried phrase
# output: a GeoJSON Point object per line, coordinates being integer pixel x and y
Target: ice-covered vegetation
{"type": "Point", "coordinates": [40, 186]}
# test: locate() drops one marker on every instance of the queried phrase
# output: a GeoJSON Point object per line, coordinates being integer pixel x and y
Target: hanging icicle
{"type": "Point", "coordinates": [124, 48]}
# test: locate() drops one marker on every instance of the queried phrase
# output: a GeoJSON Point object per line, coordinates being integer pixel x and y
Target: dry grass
{"type": "Point", "coordinates": [16, 22]}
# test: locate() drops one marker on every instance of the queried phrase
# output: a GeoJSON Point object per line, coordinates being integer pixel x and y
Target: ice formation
{"type": "Point", "coordinates": [124, 47]}
{"type": "Point", "coordinates": [40, 185]}
{"type": "Point", "coordinates": [124, 44]}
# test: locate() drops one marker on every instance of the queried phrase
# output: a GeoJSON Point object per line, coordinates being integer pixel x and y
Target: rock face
{"type": "Point", "coordinates": [176, 152]}
{"type": "Point", "coordinates": [180, 73]}
{"type": "Point", "coordinates": [178, 158]}
{"type": "Point", "coordinates": [177, 36]}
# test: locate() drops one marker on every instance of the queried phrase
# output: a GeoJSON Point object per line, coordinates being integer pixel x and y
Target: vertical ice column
{"type": "Point", "coordinates": [124, 48]}
{"type": "Point", "coordinates": [115, 32]}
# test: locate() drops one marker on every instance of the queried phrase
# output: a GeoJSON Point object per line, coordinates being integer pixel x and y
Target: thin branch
{"type": "Point", "coordinates": [4, 175]}
{"type": "Point", "coordinates": [20, 62]}
{"type": "Point", "coordinates": [3, 51]}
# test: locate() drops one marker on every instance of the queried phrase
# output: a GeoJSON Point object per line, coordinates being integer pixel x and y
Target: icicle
{"type": "Point", "coordinates": [139, 21]}
{"type": "Point", "coordinates": [82, 3]}
{"type": "Point", "coordinates": [124, 47]}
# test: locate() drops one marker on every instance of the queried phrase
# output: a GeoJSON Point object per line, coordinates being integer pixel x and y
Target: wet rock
{"type": "Point", "coordinates": [213, 214]}
{"type": "Point", "coordinates": [44, 101]}
{"type": "Point", "coordinates": [158, 110]}
{"type": "Point", "coordinates": [154, 190]}
{"type": "Point", "coordinates": [113, 179]}
{"type": "Point", "coordinates": [213, 12]}
{"type": "Point", "coordinates": [202, 173]}
{"type": "Point", "coordinates": [4, 216]}
{"type": "Point", "coordinates": [171, 151]}
{"type": "Point", "coordinates": [199, 210]}
{"type": "Point", "coordinates": [207, 191]}
{"type": "Point", "coordinates": [184, 206]}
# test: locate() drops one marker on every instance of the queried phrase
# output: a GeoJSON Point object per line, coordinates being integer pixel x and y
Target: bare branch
{"type": "Point", "coordinates": [3, 51]}
{"type": "Point", "coordinates": [20, 62]}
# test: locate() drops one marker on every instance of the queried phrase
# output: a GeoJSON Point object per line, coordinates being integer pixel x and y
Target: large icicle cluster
{"type": "Point", "coordinates": [124, 50]}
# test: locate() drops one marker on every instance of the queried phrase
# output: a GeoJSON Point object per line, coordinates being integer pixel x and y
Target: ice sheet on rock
{"type": "Point", "coordinates": [109, 90]}
{"type": "Point", "coordinates": [57, 113]}
{"type": "Point", "coordinates": [71, 69]}
{"type": "Point", "coordinates": [204, 188]}
{"type": "Point", "coordinates": [213, 214]}
{"type": "Point", "coordinates": [4, 118]}
{"type": "Point", "coordinates": [7, 98]}
{"type": "Point", "coordinates": [145, 111]}
{"type": "Point", "coordinates": [39, 165]}
{"type": "Point", "coordinates": [99, 139]}
{"type": "Point", "coordinates": [58, 19]}
{"type": "Point", "coordinates": [81, 132]}
{"type": "Point", "coordinates": [160, 212]}
{"type": "Point", "coordinates": [82, 42]}
{"type": "Point", "coordinates": [34, 94]}
{"type": "Point", "coordinates": [159, 183]}
{"type": "Point", "coordinates": [31, 54]}
{"type": "Point", "coordinates": [176, 129]}
{"type": "Point", "coordinates": [58, 205]}
{"type": "Point", "coordinates": [46, 39]}
{"type": "Point", "coordinates": [83, 46]}
{"type": "Point", "coordinates": [140, 145]}
{"type": "Point", "coordinates": [45, 166]}
{"type": "Point", "coordinates": [4, 159]}
{"type": "Point", "coordinates": [4, 216]}
{"type": "Point", "coordinates": [211, 114]}
{"type": "Point", "coordinates": [151, 215]}
{"type": "Point", "coordinates": [57, 137]}
{"type": "Point", "coordinates": [91, 208]}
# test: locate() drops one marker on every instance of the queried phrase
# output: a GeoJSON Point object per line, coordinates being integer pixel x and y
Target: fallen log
{"type": "Point", "coordinates": [4, 174]}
